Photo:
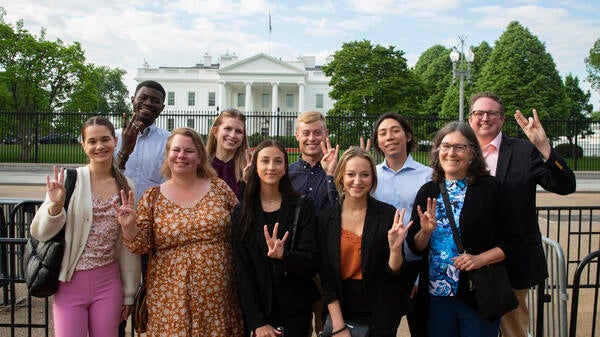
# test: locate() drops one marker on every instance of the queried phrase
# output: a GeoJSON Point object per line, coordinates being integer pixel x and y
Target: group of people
{"type": "Point", "coordinates": [236, 243]}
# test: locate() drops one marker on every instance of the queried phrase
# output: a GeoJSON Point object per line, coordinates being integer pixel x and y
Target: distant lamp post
{"type": "Point", "coordinates": [461, 69]}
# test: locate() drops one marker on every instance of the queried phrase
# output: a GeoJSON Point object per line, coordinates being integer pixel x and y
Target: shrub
{"type": "Point", "coordinates": [567, 150]}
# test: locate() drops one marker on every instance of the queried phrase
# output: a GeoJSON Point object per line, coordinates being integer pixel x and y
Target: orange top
{"type": "Point", "coordinates": [350, 244]}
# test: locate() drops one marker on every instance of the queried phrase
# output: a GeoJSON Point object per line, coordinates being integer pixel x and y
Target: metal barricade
{"type": "Point", "coordinates": [547, 302]}
{"type": "Point", "coordinates": [591, 264]}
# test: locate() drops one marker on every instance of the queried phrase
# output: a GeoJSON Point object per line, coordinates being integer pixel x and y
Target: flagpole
{"type": "Point", "coordinates": [270, 29]}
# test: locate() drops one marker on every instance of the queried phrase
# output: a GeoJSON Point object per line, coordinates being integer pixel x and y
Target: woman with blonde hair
{"type": "Point", "coordinates": [227, 148]}
{"type": "Point", "coordinates": [360, 242]}
{"type": "Point", "coordinates": [186, 222]}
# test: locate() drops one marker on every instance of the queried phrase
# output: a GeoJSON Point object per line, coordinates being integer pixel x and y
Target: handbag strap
{"type": "Point", "coordinates": [450, 215]}
{"type": "Point", "coordinates": [295, 221]}
{"type": "Point", "coordinates": [70, 180]}
{"type": "Point", "coordinates": [154, 199]}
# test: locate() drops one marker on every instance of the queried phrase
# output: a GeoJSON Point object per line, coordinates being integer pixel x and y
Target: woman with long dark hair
{"type": "Point", "coordinates": [275, 259]}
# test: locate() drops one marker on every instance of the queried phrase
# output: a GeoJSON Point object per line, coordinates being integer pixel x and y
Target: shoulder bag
{"type": "Point", "coordinates": [489, 284]}
{"type": "Point", "coordinates": [42, 260]}
{"type": "Point", "coordinates": [356, 330]}
{"type": "Point", "coordinates": [140, 306]}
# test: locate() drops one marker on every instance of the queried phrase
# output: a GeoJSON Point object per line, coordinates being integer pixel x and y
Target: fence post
{"type": "Point", "coordinates": [575, 154]}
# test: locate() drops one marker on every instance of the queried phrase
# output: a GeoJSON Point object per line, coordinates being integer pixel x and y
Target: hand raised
{"type": "Point", "coordinates": [397, 233]}
{"type": "Point", "coordinates": [534, 131]}
{"type": "Point", "coordinates": [427, 218]}
{"type": "Point", "coordinates": [126, 212]}
{"type": "Point", "coordinates": [246, 170]}
{"type": "Point", "coordinates": [366, 147]}
{"type": "Point", "coordinates": [274, 244]}
{"type": "Point", "coordinates": [330, 157]}
{"type": "Point", "coordinates": [55, 188]}
{"type": "Point", "coordinates": [129, 135]}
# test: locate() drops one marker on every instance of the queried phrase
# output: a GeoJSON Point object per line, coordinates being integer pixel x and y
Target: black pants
{"type": "Point", "coordinates": [417, 320]}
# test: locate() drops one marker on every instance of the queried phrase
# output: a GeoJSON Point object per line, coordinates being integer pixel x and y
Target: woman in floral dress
{"type": "Point", "coordinates": [186, 222]}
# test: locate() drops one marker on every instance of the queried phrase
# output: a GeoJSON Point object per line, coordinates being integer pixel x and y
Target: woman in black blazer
{"type": "Point", "coordinates": [479, 212]}
{"type": "Point", "coordinates": [274, 263]}
{"type": "Point", "coordinates": [360, 243]}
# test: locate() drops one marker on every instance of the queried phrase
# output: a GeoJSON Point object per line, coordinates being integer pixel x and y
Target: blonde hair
{"type": "Point", "coordinates": [211, 143]}
{"type": "Point", "coordinates": [310, 116]}
{"type": "Point", "coordinates": [353, 151]}
{"type": "Point", "coordinates": [204, 169]}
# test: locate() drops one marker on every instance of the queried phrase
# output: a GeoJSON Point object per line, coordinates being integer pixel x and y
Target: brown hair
{"type": "Point", "coordinates": [204, 169]}
{"type": "Point", "coordinates": [353, 151]}
{"type": "Point", "coordinates": [211, 141]}
{"type": "Point", "coordinates": [120, 178]}
{"type": "Point", "coordinates": [310, 116]}
{"type": "Point", "coordinates": [487, 94]}
{"type": "Point", "coordinates": [477, 165]}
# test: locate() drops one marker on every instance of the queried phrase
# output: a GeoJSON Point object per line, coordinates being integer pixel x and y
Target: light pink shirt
{"type": "Point", "coordinates": [490, 153]}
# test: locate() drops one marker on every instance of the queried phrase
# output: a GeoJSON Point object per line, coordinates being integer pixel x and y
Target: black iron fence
{"type": "Point", "coordinates": [576, 229]}
{"type": "Point", "coordinates": [53, 137]}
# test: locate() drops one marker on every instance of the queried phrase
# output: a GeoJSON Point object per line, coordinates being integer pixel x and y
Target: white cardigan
{"type": "Point", "coordinates": [78, 224]}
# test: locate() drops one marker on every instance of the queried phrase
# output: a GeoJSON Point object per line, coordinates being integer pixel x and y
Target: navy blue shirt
{"type": "Point", "coordinates": [313, 182]}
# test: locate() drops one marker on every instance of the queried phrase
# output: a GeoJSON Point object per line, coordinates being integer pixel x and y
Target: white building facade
{"type": "Point", "coordinates": [258, 85]}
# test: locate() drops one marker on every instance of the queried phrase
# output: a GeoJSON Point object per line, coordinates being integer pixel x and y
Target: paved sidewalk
{"type": "Point", "coordinates": [35, 174]}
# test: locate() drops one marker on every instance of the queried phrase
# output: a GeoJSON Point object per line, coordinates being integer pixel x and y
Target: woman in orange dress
{"type": "Point", "coordinates": [186, 222]}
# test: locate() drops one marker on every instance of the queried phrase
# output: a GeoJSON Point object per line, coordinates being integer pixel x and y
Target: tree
{"type": "Point", "coordinates": [592, 64]}
{"type": "Point", "coordinates": [101, 90]}
{"type": "Point", "coordinates": [39, 75]}
{"type": "Point", "coordinates": [521, 72]}
{"type": "Point", "coordinates": [435, 70]}
{"type": "Point", "coordinates": [579, 109]}
{"type": "Point", "coordinates": [368, 80]}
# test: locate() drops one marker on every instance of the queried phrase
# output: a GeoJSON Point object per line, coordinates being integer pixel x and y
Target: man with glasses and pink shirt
{"type": "Point", "coordinates": [520, 165]}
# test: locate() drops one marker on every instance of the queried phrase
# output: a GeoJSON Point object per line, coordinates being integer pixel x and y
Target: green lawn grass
{"type": "Point", "coordinates": [73, 154]}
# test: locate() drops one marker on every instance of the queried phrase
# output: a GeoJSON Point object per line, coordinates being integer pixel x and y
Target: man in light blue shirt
{"type": "Point", "coordinates": [141, 143]}
{"type": "Point", "coordinates": [399, 179]}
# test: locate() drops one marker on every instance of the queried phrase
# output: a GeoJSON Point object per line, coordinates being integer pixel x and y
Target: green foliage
{"type": "Point", "coordinates": [521, 72]}
{"type": "Point", "coordinates": [592, 65]}
{"type": "Point", "coordinates": [435, 70]}
{"type": "Point", "coordinates": [578, 108]}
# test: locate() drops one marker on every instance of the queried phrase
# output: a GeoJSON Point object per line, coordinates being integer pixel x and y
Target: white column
{"type": "Point", "coordinates": [248, 102]}
{"type": "Point", "coordinates": [274, 96]}
{"type": "Point", "coordinates": [301, 97]}
{"type": "Point", "coordinates": [222, 96]}
{"type": "Point", "coordinates": [274, 105]}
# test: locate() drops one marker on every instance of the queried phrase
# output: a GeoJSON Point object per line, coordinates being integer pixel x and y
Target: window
{"type": "Point", "coordinates": [265, 100]}
{"type": "Point", "coordinates": [191, 98]}
{"type": "Point", "coordinates": [212, 99]}
{"type": "Point", "coordinates": [241, 100]}
{"type": "Point", "coordinates": [171, 98]}
{"type": "Point", "coordinates": [170, 124]}
{"type": "Point", "coordinates": [289, 100]}
{"type": "Point", "coordinates": [190, 123]}
{"type": "Point", "coordinates": [319, 101]}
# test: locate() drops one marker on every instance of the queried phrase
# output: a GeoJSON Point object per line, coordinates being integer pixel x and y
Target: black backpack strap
{"type": "Point", "coordinates": [295, 222]}
{"type": "Point", "coordinates": [70, 179]}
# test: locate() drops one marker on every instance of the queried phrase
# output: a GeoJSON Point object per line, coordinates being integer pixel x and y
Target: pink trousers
{"type": "Point", "coordinates": [90, 302]}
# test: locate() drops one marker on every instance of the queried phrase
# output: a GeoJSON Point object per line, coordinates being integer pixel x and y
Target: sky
{"type": "Point", "coordinates": [178, 33]}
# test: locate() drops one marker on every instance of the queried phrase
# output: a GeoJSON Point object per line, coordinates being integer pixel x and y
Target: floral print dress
{"type": "Point", "coordinates": [191, 287]}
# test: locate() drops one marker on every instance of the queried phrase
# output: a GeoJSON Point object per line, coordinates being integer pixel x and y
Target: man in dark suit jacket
{"type": "Point", "coordinates": [520, 166]}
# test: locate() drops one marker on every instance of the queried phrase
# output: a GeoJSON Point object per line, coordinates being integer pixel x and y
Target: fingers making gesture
{"type": "Point", "coordinates": [274, 244]}
{"type": "Point", "coordinates": [427, 218]}
{"type": "Point", "coordinates": [397, 233]}
{"type": "Point", "coordinates": [362, 145]}
{"type": "Point", "coordinates": [55, 189]}
{"type": "Point", "coordinates": [534, 131]}
{"type": "Point", "coordinates": [126, 215]}
{"type": "Point", "coordinates": [330, 156]}
{"type": "Point", "coordinates": [246, 170]}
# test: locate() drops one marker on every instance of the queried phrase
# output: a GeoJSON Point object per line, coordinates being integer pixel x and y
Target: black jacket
{"type": "Point", "coordinates": [520, 168]}
{"type": "Point", "coordinates": [388, 300]}
{"type": "Point", "coordinates": [260, 277]}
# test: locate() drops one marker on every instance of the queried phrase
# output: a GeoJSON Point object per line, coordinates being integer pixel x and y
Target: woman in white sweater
{"type": "Point", "coordinates": [98, 276]}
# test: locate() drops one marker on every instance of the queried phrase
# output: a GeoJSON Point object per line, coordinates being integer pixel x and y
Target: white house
{"type": "Point", "coordinates": [261, 85]}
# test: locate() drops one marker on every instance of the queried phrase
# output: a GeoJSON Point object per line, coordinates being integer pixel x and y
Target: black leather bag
{"type": "Point", "coordinates": [356, 330]}
{"type": "Point", "coordinates": [42, 260]}
{"type": "Point", "coordinates": [489, 284]}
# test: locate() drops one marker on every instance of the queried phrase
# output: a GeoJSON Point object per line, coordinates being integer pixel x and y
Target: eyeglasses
{"type": "Point", "coordinates": [479, 113]}
{"type": "Point", "coordinates": [458, 148]}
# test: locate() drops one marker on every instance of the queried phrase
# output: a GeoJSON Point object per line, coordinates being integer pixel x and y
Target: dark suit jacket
{"type": "Point", "coordinates": [520, 168]}
{"type": "Point", "coordinates": [482, 224]}
{"type": "Point", "coordinates": [388, 299]}
{"type": "Point", "coordinates": [261, 278]}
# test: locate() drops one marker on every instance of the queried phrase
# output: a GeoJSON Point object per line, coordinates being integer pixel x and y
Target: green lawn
{"type": "Point", "coordinates": [73, 154]}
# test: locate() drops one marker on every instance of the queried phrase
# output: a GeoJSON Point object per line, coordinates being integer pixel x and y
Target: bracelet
{"type": "Point", "coordinates": [340, 330]}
